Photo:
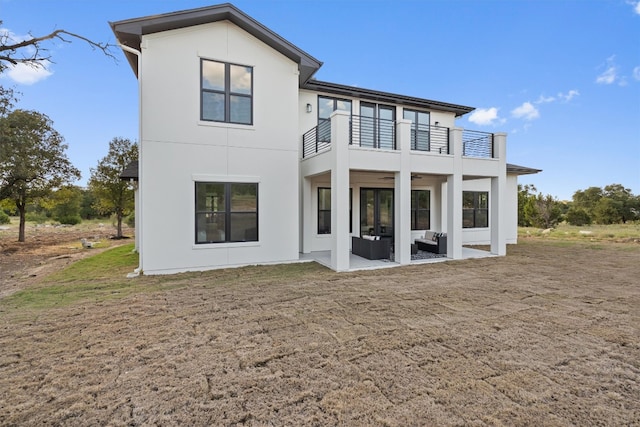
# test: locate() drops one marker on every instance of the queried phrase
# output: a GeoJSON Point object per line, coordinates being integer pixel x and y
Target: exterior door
{"type": "Point", "coordinates": [376, 212]}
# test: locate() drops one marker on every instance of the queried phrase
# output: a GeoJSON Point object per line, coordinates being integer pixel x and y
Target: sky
{"type": "Point", "coordinates": [561, 78]}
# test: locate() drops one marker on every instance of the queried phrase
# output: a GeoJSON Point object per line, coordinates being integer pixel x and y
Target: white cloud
{"type": "Point", "coordinates": [636, 71]}
{"type": "Point", "coordinates": [26, 74]}
{"type": "Point", "coordinates": [526, 111]}
{"type": "Point", "coordinates": [611, 74]}
{"type": "Point", "coordinates": [484, 116]}
{"type": "Point", "coordinates": [545, 99]}
{"type": "Point", "coordinates": [21, 73]}
{"type": "Point", "coordinates": [569, 95]}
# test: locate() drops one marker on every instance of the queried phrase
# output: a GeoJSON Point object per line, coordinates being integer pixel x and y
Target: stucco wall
{"type": "Point", "coordinates": [178, 149]}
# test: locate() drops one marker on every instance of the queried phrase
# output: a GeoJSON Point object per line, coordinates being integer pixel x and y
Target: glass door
{"type": "Point", "coordinates": [376, 212]}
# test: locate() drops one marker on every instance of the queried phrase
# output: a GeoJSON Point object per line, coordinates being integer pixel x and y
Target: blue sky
{"type": "Point", "coordinates": [561, 78]}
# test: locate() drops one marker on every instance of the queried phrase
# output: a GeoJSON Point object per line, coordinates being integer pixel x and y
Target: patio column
{"type": "Point", "coordinates": [402, 197]}
{"type": "Point", "coordinates": [497, 197]}
{"type": "Point", "coordinates": [340, 191]}
{"type": "Point", "coordinates": [454, 198]}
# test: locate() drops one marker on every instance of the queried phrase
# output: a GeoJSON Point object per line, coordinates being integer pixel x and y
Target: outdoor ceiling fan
{"type": "Point", "coordinates": [412, 177]}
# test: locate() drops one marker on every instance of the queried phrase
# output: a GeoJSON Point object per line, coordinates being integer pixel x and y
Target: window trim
{"type": "Point", "coordinates": [228, 212]}
{"type": "Point", "coordinates": [329, 210]}
{"type": "Point", "coordinates": [476, 209]}
{"type": "Point", "coordinates": [415, 128]}
{"type": "Point", "coordinates": [227, 93]}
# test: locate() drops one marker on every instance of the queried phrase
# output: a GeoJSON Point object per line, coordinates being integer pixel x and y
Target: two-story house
{"type": "Point", "coordinates": [246, 159]}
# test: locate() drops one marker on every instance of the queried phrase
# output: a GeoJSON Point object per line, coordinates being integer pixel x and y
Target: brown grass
{"type": "Point", "coordinates": [548, 335]}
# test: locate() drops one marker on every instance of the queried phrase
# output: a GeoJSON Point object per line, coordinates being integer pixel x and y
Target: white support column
{"type": "Point", "coordinates": [454, 198]}
{"type": "Point", "coordinates": [402, 196]}
{"type": "Point", "coordinates": [497, 208]}
{"type": "Point", "coordinates": [136, 211]}
{"type": "Point", "coordinates": [307, 214]}
{"type": "Point", "coordinates": [340, 191]}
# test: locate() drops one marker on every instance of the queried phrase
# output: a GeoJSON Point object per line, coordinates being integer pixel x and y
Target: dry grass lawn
{"type": "Point", "coordinates": [549, 335]}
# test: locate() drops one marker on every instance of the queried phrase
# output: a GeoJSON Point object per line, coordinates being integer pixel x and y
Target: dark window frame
{"type": "Point", "coordinates": [416, 210]}
{"type": "Point", "coordinates": [419, 128]}
{"type": "Point", "coordinates": [227, 93]}
{"type": "Point", "coordinates": [328, 230]}
{"type": "Point", "coordinates": [475, 209]}
{"type": "Point", "coordinates": [227, 213]}
{"type": "Point", "coordinates": [380, 136]}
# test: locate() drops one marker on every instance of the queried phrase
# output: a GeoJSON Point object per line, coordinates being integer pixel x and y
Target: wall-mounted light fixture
{"type": "Point", "coordinates": [309, 108]}
{"type": "Point", "coordinates": [437, 123]}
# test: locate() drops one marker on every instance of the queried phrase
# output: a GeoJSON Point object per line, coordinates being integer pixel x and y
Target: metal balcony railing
{"type": "Point", "coordinates": [477, 144]}
{"type": "Point", "coordinates": [317, 139]}
{"type": "Point", "coordinates": [372, 132]}
{"type": "Point", "coordinates": [430, 138]}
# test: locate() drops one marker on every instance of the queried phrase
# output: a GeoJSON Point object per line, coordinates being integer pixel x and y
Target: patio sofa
{"type": "Point", "coordinates": [433, 242]}
{"type": "Point", "coordinates": [371, 248]}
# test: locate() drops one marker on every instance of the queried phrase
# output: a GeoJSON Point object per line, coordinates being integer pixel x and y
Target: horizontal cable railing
{"type": "Point", "coordinates": [477, 144]}
{"type": "Point", "coordinates": [317, 139]}
{"type": "Point", "coordinates": [430, 138]}
{"type": "Point", "coordinates": [373, 133]}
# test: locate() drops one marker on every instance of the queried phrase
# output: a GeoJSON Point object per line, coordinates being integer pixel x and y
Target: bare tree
{"type": "Point", "coordinates": [33, 51]}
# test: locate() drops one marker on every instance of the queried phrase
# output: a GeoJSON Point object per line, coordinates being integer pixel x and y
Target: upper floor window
{"type": "Point", "coordinates": [475, 209]}
{"type": "Point", "coordinates": [226, 92]}
{"type": "Point", "coordinates": [377, 126]}
{"type": "Point", "coordinates": [419, 129]}
{"type": "Point", "coordinates": [326, 106]}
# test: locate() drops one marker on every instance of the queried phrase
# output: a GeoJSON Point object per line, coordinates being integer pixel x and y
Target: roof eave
{"type": "Point", "coordinates": [129, 33]}
{"type": "Point", "coordinates": [375, 95]}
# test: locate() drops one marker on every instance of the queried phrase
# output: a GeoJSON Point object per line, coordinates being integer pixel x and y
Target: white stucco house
{"type": "Point", "coordinates": [245, 158]}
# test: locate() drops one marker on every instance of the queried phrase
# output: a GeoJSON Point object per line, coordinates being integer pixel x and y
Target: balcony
{"type": "Point", "coordinates": [368, 132]}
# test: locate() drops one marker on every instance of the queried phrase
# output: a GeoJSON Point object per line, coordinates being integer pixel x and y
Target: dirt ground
{"type": "Point", "coordinates": [47, 248]}
{"type": "Point", "coordinates": [549, 335]}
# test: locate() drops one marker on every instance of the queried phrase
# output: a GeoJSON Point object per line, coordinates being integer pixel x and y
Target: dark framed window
{"type": "Point", "coordinates": [377, 126]}
{"type": "Point", "coordinates": [324, 210]}
{"type": "Point", "coordinates": [226, 92]}
{"type": "Point", "coordinates": [420, 209]}
{"type": "Point", "coordinates": [475, 209]}
{"type": "Point", "coordinates": [420, 139]}
{"type": "Point", "coordinates": [226, 212]}
{"type": "Point", "coordinates": [326, 106]}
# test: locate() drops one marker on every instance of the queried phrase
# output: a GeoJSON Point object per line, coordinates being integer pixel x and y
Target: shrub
{"type": "Point", "coordinates": [578, 216]}
{"type": "Point", "coordinates": [130, 220]}
{"type": "Point", "coordinates": [4, 218]}
{"type": "Point", "coordinates": [70, 219]}
{"type": "Point", "coordinates": [38, 218]}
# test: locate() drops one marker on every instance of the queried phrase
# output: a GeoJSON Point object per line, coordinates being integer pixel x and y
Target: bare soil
{"type": "Point", "coordinates": [47, 248]}
{"type": "Point", "coordinates": [549, 335]}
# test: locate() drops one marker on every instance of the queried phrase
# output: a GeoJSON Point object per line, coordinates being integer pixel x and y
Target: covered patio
{"type": "Point", "coordinates": [357, 263]}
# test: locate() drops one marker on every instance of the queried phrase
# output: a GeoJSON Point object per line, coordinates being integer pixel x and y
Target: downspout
{"type": "Point", "coordinates": [138, 198]}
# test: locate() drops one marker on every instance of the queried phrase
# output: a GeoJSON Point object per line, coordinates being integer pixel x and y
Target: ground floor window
{"type": "Point", "coordinates": [475, 209]}
{"type": "Point", "coordinates": [324, 210]}
{"type": "Point", "coordinates": [226, 212]}
{"type": "Point", "coordinates": [420, 209]}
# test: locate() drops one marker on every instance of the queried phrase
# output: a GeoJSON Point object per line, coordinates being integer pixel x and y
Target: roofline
{"type": "Point", "coordinates": [521, 170]}
{"type": "Point", "coordinates": [129, 32]}
{"type": "Point", "coordinates": [387, 97]}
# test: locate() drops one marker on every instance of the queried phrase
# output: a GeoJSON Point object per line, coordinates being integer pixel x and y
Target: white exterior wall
{"type": "Point", "coordinates": [178, 149]}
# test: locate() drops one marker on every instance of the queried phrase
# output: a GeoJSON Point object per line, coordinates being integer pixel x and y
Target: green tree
{"type": "Point", "coordinates": [547, 211]}
{"type": "Point", "coordinates": [526, 204]}
{"type": "Point", "coordinates": [32, 160]}
{"type": "Point", "coordinates": [112, 193]}
{"type": "Point", "coordinates": [578, 216]}
{"type": "Point", "coordinates": [88, 204]}
{"type": "Point", "coordinates": [66, 205]}
{"type": "Point", "coordinates": [627, 204]}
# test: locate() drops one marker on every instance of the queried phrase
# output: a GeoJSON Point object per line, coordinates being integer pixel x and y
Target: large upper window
{"type": "Point", "coordinates": [226, 212]}
{"type": "Point", "coordinates": [326, 106]}
{"type": "Point", "coordinates": [226, 92]}
{"type": "Point", "coordinates": [420, 209]}
{"type": "Point", "coordinates": [377, 126]}
{"type": "Point", "coordinates": [475, 209]}
{"type": "Point", "coordinates": [419, 129]}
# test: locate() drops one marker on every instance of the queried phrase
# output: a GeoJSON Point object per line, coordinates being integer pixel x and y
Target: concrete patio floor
{"type": "Point", "coordinates": [359, 263]}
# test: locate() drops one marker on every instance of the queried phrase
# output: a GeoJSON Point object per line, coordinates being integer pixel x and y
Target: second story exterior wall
{"type": "Point", "coordinates": [171, 91]}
